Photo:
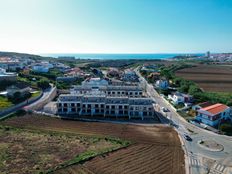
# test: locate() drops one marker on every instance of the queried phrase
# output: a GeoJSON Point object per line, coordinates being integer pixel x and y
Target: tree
{"type": "Point", "coordinates": [44, 84]}
{"type": "Point", "coordinates": [193, 90]}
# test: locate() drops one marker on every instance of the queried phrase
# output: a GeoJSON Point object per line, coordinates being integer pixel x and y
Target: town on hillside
{"type": "Point", "coordinates": [182, 93]}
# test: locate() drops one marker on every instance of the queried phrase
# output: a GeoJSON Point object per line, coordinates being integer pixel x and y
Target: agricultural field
{"type": "Point", "coordinates": [153, 149]}
{"type": "Point", "coordinates": [32, 151]}
{"type": "Point", "coordinates": [211, 78]}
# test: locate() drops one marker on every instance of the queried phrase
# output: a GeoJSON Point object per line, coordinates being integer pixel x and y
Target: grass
{"type": "Point", "coordinates": [5, 103]}
{"type": "Point", "coordinates": [35, 94]}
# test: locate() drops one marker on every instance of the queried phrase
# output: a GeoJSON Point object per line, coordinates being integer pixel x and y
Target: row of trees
{"type": "Point", "coordinates": [192, 88]}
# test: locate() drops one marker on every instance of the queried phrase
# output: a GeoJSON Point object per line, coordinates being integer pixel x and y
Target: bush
{"type": "Point", "coordinates": [43, 84]}
{"type": "Point", "coordinates": [226, 128]}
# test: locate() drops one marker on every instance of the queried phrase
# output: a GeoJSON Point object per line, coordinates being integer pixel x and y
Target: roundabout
{"type": "Point", "coordinates": [211, 145]}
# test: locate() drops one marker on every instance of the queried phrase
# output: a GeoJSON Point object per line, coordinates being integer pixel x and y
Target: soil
{"type": "Point", "coordinates": [213, 78]}
{"type": "Point", "coordinates": [154, 149]}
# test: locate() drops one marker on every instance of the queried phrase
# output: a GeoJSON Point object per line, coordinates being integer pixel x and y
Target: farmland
{"type": "Point", "coordinates": [211, 78]}
{"type": "Point", "coordinates": [154, 149]}
{"type": "Point", "coordinates": [32, 151]}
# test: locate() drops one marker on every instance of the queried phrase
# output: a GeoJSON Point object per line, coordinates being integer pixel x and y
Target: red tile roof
{"type": "Point", "coordinates": [215, 109]}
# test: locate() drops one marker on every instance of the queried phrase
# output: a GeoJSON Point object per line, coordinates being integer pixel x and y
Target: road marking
{"type": "Point", "coordinates": [217, 169]}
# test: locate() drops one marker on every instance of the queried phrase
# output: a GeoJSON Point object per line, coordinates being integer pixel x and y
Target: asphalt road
{"type": "Point", "coordinates": [221, 161]}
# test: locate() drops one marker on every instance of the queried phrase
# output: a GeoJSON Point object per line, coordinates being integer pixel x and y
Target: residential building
{"type": "Point", "coordinates": [95, 82]}
{"type": "Point", "coordinates": [100, 99]}
{"type": "Point", "coordinates": [40, 68]}
{"type": "Point", "coordinates": [10, 64]}
{"type": "Point", "coordinates": [130, 76]}
{"type": "Point", "coordinates": [201, 105]}
{"type": "Point", "coordinates": [9, 76]}
{"type": "Point", "coordinates": [178, 98]}
{"type": "Point", "coordinates": [100, 104]}
{"type": "Point", "coordinates": [214, 114]}
{"type": "Point", "coordinates": [22, 88]}
{"type": "Point", "coordinates": [162, 84]}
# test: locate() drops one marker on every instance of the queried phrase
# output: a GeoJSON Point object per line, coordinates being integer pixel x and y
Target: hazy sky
{"type": "Point", "coordinates": [115, 26]}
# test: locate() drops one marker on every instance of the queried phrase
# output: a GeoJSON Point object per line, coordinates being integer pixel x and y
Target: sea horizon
{"type": "Point", "coordinates": [118, 56]}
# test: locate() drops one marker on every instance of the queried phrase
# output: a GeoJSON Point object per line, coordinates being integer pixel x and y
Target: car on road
{"type": "Point", "coordinates": [164, 109]}
{"type": "Point", "coordinates": [188, 138]}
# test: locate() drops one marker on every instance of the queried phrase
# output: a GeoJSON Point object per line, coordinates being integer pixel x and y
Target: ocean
{"type": "Point", "coordinates": [116, 56]}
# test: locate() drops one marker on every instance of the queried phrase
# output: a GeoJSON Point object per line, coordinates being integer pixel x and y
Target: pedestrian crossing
{"type": "Point", "coordinates": [217, 169]}
{"type": "Point", "coordinates": [194, 160]}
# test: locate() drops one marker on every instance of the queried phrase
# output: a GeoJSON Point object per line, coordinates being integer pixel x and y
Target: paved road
{"type": "Point", "coordinates": [42, 101]}
{"type": "Point", "coordinates": [221, 160]}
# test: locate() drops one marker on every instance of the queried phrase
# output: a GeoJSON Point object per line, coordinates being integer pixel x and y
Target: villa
{"type": "Point", "coordinates": [214, 114]}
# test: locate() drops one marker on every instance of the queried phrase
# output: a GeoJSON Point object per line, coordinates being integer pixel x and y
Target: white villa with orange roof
{"type": "Point", "coordinates": [212, 115]}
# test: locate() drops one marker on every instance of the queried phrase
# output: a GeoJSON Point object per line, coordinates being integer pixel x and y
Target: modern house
{"type": "Point", "coordinates": [178, 98]}
{"type": "Point", "coordinates": [22, 88]}
{"type": "Point", "coordinates": [162, 84]}
{"type": "Point", "coordinates": [214, 114]}
{"type": "Point", "coordinates": [9, 76]}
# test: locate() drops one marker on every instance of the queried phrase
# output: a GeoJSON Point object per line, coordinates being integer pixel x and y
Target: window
{"type": "Point", "coordinates": [120, 106]}
{"type": "Point", "coordinates": [65, 104]}
{"type": "Point", "coordinates": [78, 104]}
{"type": "Point", "coordinates": [96, 106]}
{"type": "Point", "coordinates": [107, 106]}
{"type": "Point", "coordinates": [112, 107]}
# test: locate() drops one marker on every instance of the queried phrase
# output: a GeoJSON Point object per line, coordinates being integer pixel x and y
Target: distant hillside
{"type": "Point", "coordinates": [23, 55]}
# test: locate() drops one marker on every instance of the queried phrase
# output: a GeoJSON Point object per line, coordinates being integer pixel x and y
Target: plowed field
{"type": "Point", "coordinates": [155, 149]}
{"type": "Point", "coordinates": [214, 78]}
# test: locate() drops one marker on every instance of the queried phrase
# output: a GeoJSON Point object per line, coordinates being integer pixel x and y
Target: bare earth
{"type": "Point", "coordinates": [155, 149]}
{"type": "Point", "coordinates": [214, 78]}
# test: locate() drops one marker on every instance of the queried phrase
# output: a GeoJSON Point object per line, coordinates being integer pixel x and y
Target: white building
{"type": "Point", "coordinates": [101, 99]}
{"type": "Point", "coordinates": [214, 114]}
{"type": "Point", "coordinates": [162, 84]}
{"type": "Point", "coordinates": [9, 76]}
{"type": "Point", "coordinates": [103, 105]}
{"type": "Point", "coordinates": [95, 82]}
{"type": "Point", "coordinates": [40, 68]}
{"type": "Point", "coordinates": [178, 98]}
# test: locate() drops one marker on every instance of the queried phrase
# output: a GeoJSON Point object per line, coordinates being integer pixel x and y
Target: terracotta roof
{"type": "Point", "coordinates": [215, 109]}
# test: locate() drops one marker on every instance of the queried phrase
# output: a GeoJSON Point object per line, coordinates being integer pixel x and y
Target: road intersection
{"type": "Point", "coordinates": [200, 160]}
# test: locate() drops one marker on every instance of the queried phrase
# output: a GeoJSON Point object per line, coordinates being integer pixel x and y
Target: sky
{"type": "Point", "coordinates": [116, 26]}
